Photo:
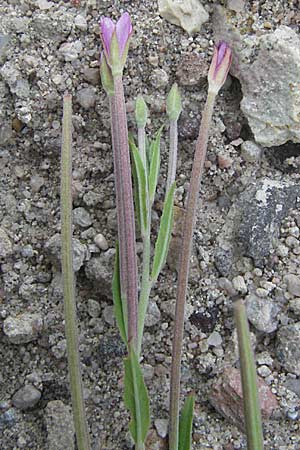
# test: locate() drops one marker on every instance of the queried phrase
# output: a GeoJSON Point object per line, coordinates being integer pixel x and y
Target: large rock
{"type": "Point", "coordinates": [261, 209]}
{"type": "Point", "coordinates": [189, 14]}
{"type": "Point", "coordinates": [268, 68]}
{"type": "Point", "coordinates": [24, 328]}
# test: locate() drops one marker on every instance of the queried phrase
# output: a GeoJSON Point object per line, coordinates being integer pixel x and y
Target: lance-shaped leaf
{"type": "Point", "coordinates": [140, 173]}
{"type": "Point", "coordinates": [186, 423]}
{"type": "Point", "coordinates": [136, 399]}
{"type": "Point", "coordinates": [154, 165]}
{"type": "Point", "coordinates": [164, 235]}
{"type": "Point", "coordinates": [118, 305]}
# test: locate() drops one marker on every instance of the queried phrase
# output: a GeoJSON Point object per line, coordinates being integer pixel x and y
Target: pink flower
{"type": "Point", "coordinates": [219, 67]}
{"type": "Point", "coordinates": [115, 39]}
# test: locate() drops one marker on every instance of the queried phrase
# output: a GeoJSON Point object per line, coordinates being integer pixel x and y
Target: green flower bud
{"type": "Point", "coordinates": [174, 103]}
{"type": "Point", "coordinates": [141, 112]}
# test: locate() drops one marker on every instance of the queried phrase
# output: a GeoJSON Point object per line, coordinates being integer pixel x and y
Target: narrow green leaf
{"type": "Point", "coordinates": [140, 172]}
{"type": "Point", "coordinates": [186, 423]}
{"type": "Point", "coordinates": [136, 398]}
{"type": "Point", "coordinates": [154, 165]}
{"type": "Point", "coordinates": [118, 306]}
{"type": "Point", "coordinates": [164, 234]}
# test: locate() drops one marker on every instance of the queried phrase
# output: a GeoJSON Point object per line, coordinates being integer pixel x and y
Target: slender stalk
{"type": "Point", "coordinates": [172, 153]}
{"type": "Point", "coordinates": [252, 412]}
{"type": "Point", "coordinates": [120, 209]}
{"type": "Point", "coordinates": [190, 217]}
{"type": "Point", "coordinates": [71, 327]}
{"type": "Point", "coordinates": [128, 260]}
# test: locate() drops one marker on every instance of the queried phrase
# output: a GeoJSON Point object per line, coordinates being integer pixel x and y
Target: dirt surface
{"type": "Point", "coordinates": [48, 48]}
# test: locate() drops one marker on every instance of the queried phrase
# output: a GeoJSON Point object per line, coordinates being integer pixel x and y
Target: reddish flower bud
{"type": "Point", "coordinates": [219, 67]}
{"type": "Point", "coordinates": [115, 39]}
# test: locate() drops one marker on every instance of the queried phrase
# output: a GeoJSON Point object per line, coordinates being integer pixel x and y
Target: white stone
{"type": "Point", "coordinates": [188, 14]}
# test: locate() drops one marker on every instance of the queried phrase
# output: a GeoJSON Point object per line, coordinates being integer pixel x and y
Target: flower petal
{"type": "Point", "coordinates": [123, 31]}
{"type": "Point", "coordinates": [107, 28]}
{"type": "Point", "coordinates": [221, 50]}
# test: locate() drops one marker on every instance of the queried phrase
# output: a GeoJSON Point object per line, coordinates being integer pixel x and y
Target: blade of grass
{"type": "Point", "coordinates": [71, 327]}
{"type": "Point", "coordinates": [249, 379]}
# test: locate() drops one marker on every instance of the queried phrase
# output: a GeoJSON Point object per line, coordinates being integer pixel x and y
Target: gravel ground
{"type": "Point", "coordinates": [246, 241]}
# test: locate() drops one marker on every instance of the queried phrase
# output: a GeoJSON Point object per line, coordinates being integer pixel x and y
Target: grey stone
{"type": "Point", "coordinates": [8, 419]}
{"type": "Point", "coordinates": [223, 260]}
{"type": "Point", "coordinates": [44, 5]}
{"type": "Point", "coordinates": [215, 339]}
{"type": "Point", "coordinates": [161, 426]}
{"type": "Point", "coordinates": [93, 308]}
{"type": "Point", "coordinates": [153, 315]}
{"type": "Point", "coordinates": [260, 210]}
{"type": "Point", "coordinates": [100, 269]}
{"type": "Point", "coordinates": [82, 217]}
{"type": "Point", "coordinates": [293, 284]}
{"type": "Point", "coordinates": [159, 78]}
{"type": "Point", "coordinates": [53, 249]}
{"type": "Point", "coordinates": [5, 244]}
{"type": "Point", "coordinates": [188, 14]}
{"type": "Point", "coordinates": [14, 78]}
{"type": "Point", "coordinates": [80, 22]}
{"type": "Point", "coordinates": [109, 315]}
{"type": "Point", "coordinates": [236, 5]}
{"type": "Point", "coordinates": [71, 50]}
{"type": "Point", "coordinates": [288, 347]}
{"type": "Point", "coordinates": [262, 313]}
{"type": "Point", "coordinates": [101, 242]}
{"type": "Point", "coordinates": [36, 182]}
{"type": "Point", "coordinates": [86, 97]}
{"type": "Point", "coordinates": [60, 428]}
{"type": "Point", "coordinates": [251, 152]}
{"type": "Point", "coordinates": [91, 75]}
{"type": "Point", "coordinates": [23, 328]}
{"type": "Point", "coordinates": [26, 397]}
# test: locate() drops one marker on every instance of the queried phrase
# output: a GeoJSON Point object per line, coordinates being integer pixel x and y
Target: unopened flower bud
{"type": "Point", "coordinates": [141, 112]}
{"type": "Point", "coordinates": [219, 67]}
{"type": "Point", "coordinates": [174, 103]}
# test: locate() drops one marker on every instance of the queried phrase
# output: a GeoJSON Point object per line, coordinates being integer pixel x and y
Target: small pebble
{"type": "Point", "coordinates": [293, 284]}
{"type": "Point", "coordinates": [26, 397]}
{"type": "Point", "coordinates": [86, 97]}
{"type": "Point", "coordinates": [82, 217]}
{"type": "Point", "coordinates": [93, 308]}
{"type": "Point", "coordinates": [239, 284]}
{"type": "Point", "coordinates": [101, 242]}
{"type": "Point", "coordinates": [161, 426]}
{"type": "Point", "coordinates": [23, 328]}
{"type": "Point", "coordinates": [80, 22]}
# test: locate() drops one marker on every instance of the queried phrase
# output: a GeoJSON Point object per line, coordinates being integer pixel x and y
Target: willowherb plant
{"type": "Point", "coordinates": [129, 304]}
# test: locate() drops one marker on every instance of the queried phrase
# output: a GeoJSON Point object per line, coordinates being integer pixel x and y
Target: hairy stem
{"type": "Point", "coordinates": [252, 412]}
{"type": "Point", "coordinates": [71, 327]}
{"type": "Point", "coordinates": [190, 217]}
{"type": "Point", "coordinates": [126, 223]}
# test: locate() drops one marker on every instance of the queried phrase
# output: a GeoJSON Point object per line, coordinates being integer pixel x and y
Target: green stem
{"type": "Point", "coordinates": [190, 217]}
{"type": "Point", "coordinates": [252, 412]}
{"type": "Point", "coordinates": [71, 327]}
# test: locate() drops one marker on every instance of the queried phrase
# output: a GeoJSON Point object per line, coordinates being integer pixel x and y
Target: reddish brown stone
{"type": "Point", "coordinates": [227, 398]}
